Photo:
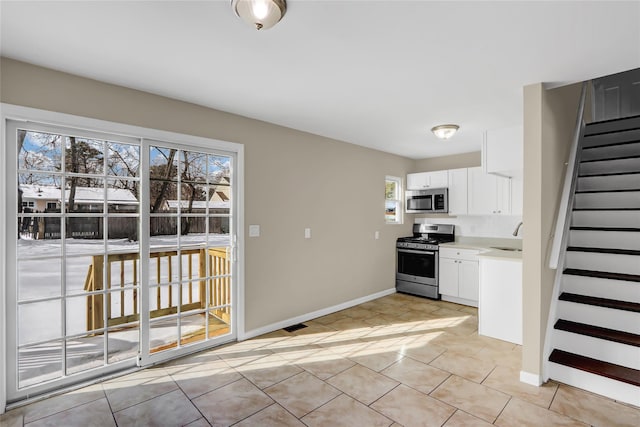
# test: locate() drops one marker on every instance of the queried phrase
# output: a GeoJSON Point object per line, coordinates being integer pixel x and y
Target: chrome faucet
{"type": "Point", "coordinates": [515, 233]}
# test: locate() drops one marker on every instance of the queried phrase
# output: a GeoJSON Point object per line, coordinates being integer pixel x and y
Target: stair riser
{"type": "Point", "coordinates": [630, 199]}
{"type": "Point", "coordinates": [619, 290]}
{"type": "Point", "coordinates": [610, 166]}
{"type": "Point", "coordinates": [609, 183]}
{"type": "Point", "coordinates": [613, 389]}
{"type": "Point", "coordinates": [605, 239]}
{"type": "Point", "coordinates": [605, 219]}
{"type": "Point", "coordinates": [619, 320]}
{"type": "Point", "coordinates": [595, 348]}
{"type": "Point", "coordinates": [626, 150]}
{"type": "Point", "coordinates": [613, 263]}
{"type": "Point", "coordinates": [611, 138]}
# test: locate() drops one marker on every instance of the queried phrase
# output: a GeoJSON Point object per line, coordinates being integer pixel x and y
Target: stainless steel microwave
{"type": "Point", "coordinates": [427, 201]}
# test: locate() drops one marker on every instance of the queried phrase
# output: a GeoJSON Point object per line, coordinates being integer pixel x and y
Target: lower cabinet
{"type": "Point", "coordinates": [459, 275]}
{"type": "Point", "coordinates": [500, 308]}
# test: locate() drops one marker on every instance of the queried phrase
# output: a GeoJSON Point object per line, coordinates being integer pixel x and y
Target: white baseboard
{"type": "Point", "coordinates": [529, 378]}
{"type": "Point", "coordinates": [313, 315]}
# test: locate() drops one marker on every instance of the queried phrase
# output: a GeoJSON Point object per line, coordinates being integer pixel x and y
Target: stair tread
{"type": "Point", "coordinates": [620, 125]}
{"type": "Point", "coordinates": [623, 229]}
{"type": "Point", "coordinates": [601, 302]}
{"type": "Point", "coordinates": [602, 274]}
{"type": "Point", "coordinates": [606, 159]}
{"type": "Point", "coordinates": [608, 174]}
{"type": "Point", "coordinates": [598, 367]}
{"type": "Point", "coordinates": [614, 144]}
{"type": "Point", "coordinates": [598, 332]}
{"type": "Point", "coordinates": [625, 190]}
{"type": "Point", "coordinates": [604, 250]}
{"type": "Point", "coordinates": [606, 209]}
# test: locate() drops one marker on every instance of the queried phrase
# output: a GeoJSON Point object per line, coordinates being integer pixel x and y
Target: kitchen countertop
{"type": "Point", "coordinates": [486, 244]}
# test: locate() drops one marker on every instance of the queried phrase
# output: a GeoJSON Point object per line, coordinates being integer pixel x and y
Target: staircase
{"type": "Point", "coordinates": [596, 337]}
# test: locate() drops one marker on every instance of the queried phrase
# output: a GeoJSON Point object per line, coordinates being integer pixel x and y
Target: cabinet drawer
{"type": "Point", "coordinates": [462, 254]}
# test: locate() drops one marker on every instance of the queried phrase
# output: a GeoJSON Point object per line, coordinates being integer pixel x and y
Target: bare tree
{"type": "Point", "coordinates": [169, 171]}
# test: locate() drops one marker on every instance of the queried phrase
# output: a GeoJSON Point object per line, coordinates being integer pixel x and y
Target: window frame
{"type": "Point", "coordinates": [397, 200]}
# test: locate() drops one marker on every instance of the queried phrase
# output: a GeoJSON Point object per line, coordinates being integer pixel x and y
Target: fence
{"type": "Point", "coordinates": [120, 227]}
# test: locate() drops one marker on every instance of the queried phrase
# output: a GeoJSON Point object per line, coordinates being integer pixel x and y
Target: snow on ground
{"type": "Point", "coordinates": [39, 276]}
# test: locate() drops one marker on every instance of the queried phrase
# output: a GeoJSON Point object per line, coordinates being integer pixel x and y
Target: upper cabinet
{"type": "Point", "coordinates": [502, 152]}
{"type": "Point", "coordinates": [458, 192]}
{"type": "Point", "coordinates": [488, 194]}
{"type": "Point", "coordinates": [424, 180]}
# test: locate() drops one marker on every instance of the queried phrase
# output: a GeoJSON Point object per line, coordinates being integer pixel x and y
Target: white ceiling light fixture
{"type": "Point", "coordinates": [444, 131]}
{"type": "Point", "coordinates": [261, 14]}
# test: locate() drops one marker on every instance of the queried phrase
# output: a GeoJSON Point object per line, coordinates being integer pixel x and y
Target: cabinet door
{"type": "Point", "coordinates": [458, 191]}
{"type": "Point", "coordinates": [424, 180]}
{"type": "Point", "coordinates": [503, 195]}
{"type": "Point", "coordinates": [448, 279]}
{"type": "Point", "coordinates": [439, 179]}
{"type": "Point", "coordinates": [468, 280]}
{"type": "Point", "coordinates": [418, 181]}
{"type": "Point", "coordinates": [502, 151]}
{"type": "Point", "coordinates": [481, 192]}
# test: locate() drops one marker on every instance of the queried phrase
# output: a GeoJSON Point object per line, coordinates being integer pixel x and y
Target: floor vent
{"type": "Point", "coordinates": [294, 328]}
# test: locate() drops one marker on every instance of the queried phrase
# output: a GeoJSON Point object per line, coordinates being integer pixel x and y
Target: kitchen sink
{"type": "Point", "coordinates": [505, 248]}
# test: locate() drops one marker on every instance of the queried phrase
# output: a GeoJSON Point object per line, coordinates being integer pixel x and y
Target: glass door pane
{"type": "Point", "coordinates": [190, 266]}
{"type": "Point", "coordinates": [77, 214]}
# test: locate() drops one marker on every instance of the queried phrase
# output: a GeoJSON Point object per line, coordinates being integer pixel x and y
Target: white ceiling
{"type": "Point", "coordinates": [374, 73]}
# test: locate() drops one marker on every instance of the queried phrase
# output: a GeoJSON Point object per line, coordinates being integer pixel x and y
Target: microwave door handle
{"type": "Point", "coordinates": [416, 252]}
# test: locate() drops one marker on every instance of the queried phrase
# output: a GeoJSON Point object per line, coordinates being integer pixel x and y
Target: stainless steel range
{"type": "Point", "coordinates": [417, 259]}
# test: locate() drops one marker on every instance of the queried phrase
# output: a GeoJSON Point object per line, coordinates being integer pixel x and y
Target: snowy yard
{"type": "Point", "coordinates": [40, 276]}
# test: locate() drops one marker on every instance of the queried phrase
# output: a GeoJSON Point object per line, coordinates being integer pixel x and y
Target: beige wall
{"type": "Point", "coordinates": [464, 160]}
{"type": "Point", "coordinates": [293, 180]}
{"type": "Point", "coordinates": [549, 123]}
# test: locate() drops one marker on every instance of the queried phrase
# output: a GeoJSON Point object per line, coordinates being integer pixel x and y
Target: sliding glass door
{"type": "Point", "coordinates": [189, 248]}
{"type": "Point", "coordinates": [120, 254]}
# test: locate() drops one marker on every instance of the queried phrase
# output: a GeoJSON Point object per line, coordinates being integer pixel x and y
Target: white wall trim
{"type": "Point", "coordinates": [313, 315]}
{"type": "Point", "coordinates": [3, 277]}
{"type": "Point", "coordinates": [529, 378]}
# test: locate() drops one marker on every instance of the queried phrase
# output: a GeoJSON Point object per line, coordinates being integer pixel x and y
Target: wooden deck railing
{"type": "Point", "coordinates": [193, 296]}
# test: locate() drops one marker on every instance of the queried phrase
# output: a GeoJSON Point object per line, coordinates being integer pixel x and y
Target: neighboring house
{"type": "Point", "coordinates": [198, 206]}
{"type": "Point", "coordinates": [41, 198]}
{"type": "Point", "coordinates": [222, 192]}
{"type": "Point", "coordinates": [217, 224]}
{"type": "Point", "coordinates": [48, 198]}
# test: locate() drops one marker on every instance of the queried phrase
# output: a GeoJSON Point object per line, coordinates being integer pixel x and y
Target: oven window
{"type": "Point", "coordinates": [417, 263]}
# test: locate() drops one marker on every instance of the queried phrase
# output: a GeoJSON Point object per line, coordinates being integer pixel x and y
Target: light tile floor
{"type": "Point", "coordinates": [397, 360]}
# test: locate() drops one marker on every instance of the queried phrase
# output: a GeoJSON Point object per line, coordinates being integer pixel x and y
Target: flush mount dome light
{"type": "Point", "coordinates": [445, 131]}
{"type": "Point", "coordinates": [261, 14]}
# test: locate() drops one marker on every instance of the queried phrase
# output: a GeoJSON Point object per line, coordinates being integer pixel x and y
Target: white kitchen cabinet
{"type": "Point", "coordinates": [517, 193]}
{"type": "Point", "coordinates": [502, 151]}
{"type": "Point", "coordinates": [500, 299]}
{"type": "Point", "coordinates": [424, 180]}
{"type": "Point", "coordinates": [458, 275]}
{"type": "Point", "coordinates": [488, 194]}
{"type": "Point", "coordinates": [458, 191]}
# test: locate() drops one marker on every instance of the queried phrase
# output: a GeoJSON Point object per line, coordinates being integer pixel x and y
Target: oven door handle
{"type": "Point", "coordinates": [407, 251]}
